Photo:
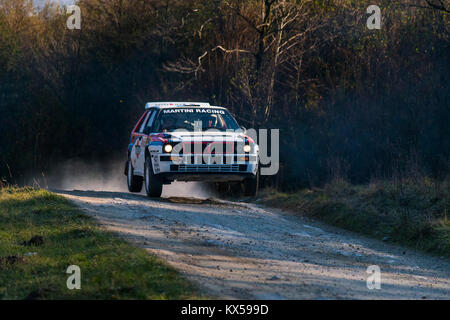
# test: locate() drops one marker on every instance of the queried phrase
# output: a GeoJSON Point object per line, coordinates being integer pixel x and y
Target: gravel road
{"type": "Point", "coordinates": [245, 251]}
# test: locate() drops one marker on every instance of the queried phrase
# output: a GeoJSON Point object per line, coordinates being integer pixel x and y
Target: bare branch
{"type": "Point", "coordinates": [187, 66]}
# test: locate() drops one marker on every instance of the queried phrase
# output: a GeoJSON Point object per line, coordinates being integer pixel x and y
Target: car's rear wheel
{"type": "Point", "coordinates": [251, 185]}
{"type": "Point", "coordinates": [134, 182]}
{"type": "Point", "coordinates": [153, 185]}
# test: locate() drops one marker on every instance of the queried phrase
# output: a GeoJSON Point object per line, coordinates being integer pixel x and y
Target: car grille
{"type": "Point", "coordinates": [208, 168]}
{"type": "Point", "coordinates": [209, 147]}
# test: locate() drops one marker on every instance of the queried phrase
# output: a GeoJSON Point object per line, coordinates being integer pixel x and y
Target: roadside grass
{"type": "Point", "coordinates": [110, 267]}
{"type": "Point", "coordinates": [413, 213]}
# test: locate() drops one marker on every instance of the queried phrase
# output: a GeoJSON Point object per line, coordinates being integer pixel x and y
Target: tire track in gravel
{"type": "Point", "coordinates": [244, 251]}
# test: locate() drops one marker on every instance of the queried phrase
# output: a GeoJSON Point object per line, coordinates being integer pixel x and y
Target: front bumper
{"type": "Point", "coordinates": [205, 177]}
{"type": "Point", "coordinates": [217, 168]}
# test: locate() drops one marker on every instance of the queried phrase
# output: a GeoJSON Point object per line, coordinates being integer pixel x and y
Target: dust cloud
{"type": "Point", "coordinates": [108, 176]}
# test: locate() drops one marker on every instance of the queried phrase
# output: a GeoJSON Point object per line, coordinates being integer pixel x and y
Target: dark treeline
{"type": "Point", "coordinates": [349, 101]}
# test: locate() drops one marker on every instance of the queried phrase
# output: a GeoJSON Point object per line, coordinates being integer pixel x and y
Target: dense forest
{"type": "Point", "coordinates": [349, 101]}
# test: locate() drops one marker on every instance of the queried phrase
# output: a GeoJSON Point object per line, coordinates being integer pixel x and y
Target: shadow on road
{"type": "Point", "coordinates": [136, 196]}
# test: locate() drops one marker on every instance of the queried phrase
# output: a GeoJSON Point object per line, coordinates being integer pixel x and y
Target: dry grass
{"type": "Point", "coordinates": [41, 234]}
{"type": "Point", "coordinates": [410, 212]}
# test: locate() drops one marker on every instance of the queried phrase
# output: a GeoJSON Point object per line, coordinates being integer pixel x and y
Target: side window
{"type": "Point", "coordinates": [148, 127]}
{"type": "Point", "coordinates": [141, 129]}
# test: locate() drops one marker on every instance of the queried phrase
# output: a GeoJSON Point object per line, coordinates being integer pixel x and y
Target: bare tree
{"type": "Point", "coordinates": [439, 5]}
{"type": "Point", "coordinates": [278, 29]}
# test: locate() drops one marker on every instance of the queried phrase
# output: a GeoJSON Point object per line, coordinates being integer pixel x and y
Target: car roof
{"type": "Point", "coordinates": [165, 105]}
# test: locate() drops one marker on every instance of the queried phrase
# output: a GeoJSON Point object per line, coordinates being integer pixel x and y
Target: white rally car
{"type": "Point", "coordinates": [187, 141]}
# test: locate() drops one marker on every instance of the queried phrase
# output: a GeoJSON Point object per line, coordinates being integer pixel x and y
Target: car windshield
{"type": "Point", "coordinates": [194, 119]}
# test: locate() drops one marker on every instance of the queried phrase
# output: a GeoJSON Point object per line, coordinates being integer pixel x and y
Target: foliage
{"type": "Point", "coordinates": [362, 102]}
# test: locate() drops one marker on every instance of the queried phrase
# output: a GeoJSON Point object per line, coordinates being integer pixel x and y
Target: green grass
{"type": "Point", "coordinates": [110, 267]}
{"type": "Point", "coordinates": [411, 213]}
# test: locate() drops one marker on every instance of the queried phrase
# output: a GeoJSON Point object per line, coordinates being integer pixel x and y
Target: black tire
{"type": "Point", "coordinates": [153, 185]}
{"type": "Point", "coordinates": [251, 186]}
{"type": "Point", "coordinates": [134, 182]}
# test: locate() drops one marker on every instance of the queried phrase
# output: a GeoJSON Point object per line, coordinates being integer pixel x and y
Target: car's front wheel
{"type": "Point", "coordinates": [153, 185]}
{"type": "Point", "coordinates": [134, 182]}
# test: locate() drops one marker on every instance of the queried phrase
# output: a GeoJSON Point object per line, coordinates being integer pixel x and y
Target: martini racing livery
{"type": "Point", "coordinates": [187, 141]}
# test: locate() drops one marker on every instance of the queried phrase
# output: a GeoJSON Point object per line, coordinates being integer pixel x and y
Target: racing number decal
{"type": "Point", "coordinates": [155, 151]}
{"type": "Point", "coordinates": [137, 154]}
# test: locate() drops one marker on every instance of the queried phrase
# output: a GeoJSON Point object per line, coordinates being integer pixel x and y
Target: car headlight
{"type": "Point", "coordinates": [168, 148]}
{"type": "Point", "coordinates": [247, 148]}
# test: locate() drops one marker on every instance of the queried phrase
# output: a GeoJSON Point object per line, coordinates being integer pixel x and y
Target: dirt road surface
{"type": "Point", "coordinates": [245, 251]}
